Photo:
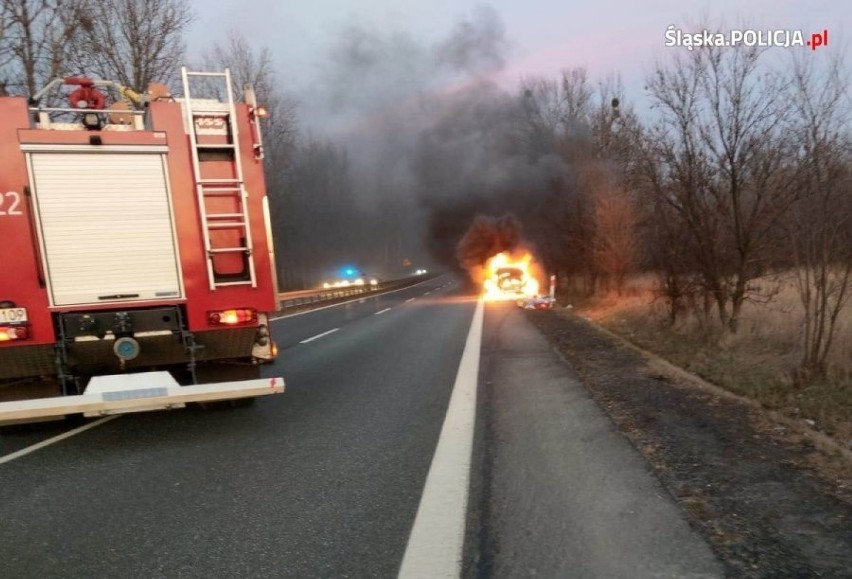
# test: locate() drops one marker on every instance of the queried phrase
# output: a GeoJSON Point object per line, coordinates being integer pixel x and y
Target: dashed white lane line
{"type": "Point", "coordinates": [427, 293]}
{"type": "Point", "coordinates": [318, 336]}
{"type": "Point", "coordinates": [409, 300]}
{"type": "Point", "coordinates": [58, 438]}
{"type": "Point", "coordinates": [435, 544]}
{"type": "Point", "coordinates": [382, 311]}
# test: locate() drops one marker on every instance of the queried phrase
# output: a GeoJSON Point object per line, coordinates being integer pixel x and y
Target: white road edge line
{"type": "Point", "coordinates": [55, 439]}
{"type": "Point", "coordinates": [437, 537]}
{"type": "Point", "coordinates": [363, 297]}
{"type": "Point", "coordinates": [318, 336]}
{"type": "Point", "coordinates": [382, 311]}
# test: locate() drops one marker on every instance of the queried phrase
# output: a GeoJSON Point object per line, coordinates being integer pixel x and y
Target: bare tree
{"type": "Point", "coordinates": [136, 42]}
{"type": "Point", "coordinates": [821, 225]}
{"type": "Point", "coordinates": [5, 18]}
{"type": "Point", "coordinates": [540, 116]}
{"type": "Point", "coordinates": [251, 66]}
{"type": "Point", "coordinates": [666, 239]}
{"type": "Point", "coordinates": [617, 132]}
{"type": "Point", "coordinates": [680, 231]}
{"type": "Point", "coordinates": [552, 128]}
{"type": "Point", "coordinates": [4, 48]}
{"type": "Point", "coordinates": [585, 230]}
{"type": "Point", "coordinates": [616, 135]}
{"type": "Point", "coordinates": [553, 112]}
{"type": "Point", "coordinates": [615, 242]}
{"type": "Point", "coordinates": [38, 39]}
{"type": "Point", "coordinates": [717, 156]}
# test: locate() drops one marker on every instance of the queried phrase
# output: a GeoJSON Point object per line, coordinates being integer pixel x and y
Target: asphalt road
{"type": "Point", "coordinates": [325, 480]}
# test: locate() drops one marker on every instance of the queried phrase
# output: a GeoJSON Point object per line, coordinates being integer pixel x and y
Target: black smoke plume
{"type": "Point", "coordinates": [486, 237]}
{"type": "Point", "coordinates": [433, 139]}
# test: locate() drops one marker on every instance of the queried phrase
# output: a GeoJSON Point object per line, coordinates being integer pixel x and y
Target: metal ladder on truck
{"type": "Point", "coordinates": [219, 187]}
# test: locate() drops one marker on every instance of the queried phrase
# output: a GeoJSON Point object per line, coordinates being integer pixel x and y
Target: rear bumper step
{"type": "Point", "coordinates": [140, 392]}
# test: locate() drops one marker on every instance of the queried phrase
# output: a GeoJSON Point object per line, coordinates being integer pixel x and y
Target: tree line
{"type": "Point", "coordinates": [744, 169]}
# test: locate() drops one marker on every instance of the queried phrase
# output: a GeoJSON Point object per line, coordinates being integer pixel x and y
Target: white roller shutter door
{"type": "Point", "coordinates": [106, 227]}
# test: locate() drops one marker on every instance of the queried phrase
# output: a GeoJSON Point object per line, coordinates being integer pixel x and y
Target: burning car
{"type": "Point", "coordinates": [509, 279]}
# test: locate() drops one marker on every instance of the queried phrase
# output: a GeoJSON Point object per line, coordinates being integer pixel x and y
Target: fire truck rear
{"type": "Point", "coordinates": [136, 263]}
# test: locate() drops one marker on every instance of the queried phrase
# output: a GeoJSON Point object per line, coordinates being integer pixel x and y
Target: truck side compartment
{"type": "Point", "coordinates": [132, 242]}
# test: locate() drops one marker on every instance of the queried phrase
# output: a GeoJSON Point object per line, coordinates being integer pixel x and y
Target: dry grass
{"type": "Point", "coordinates": [757, 362]}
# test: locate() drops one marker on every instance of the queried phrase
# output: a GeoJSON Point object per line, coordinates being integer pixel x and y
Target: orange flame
{"type": "Point", "coordinates": [506, 278]}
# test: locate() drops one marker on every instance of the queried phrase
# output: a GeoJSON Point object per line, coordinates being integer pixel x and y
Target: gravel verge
{"type": "Point", "coordinates": [773, 500]}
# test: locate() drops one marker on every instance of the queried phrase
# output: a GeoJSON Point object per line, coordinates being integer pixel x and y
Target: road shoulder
{"type": "Point", "coordinates": [746, 485]}
{"type": "Point", "coordinates": [566, 495]}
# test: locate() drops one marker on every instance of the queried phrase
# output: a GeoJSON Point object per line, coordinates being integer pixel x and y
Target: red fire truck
{"type": "Point", "coordinates": [136, 263]}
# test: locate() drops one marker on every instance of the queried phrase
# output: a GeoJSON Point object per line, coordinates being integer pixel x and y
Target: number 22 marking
{"type": "Point", "coordinates": [14, 203]}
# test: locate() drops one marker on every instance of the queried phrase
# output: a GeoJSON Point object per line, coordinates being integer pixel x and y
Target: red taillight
{"type": "Point", "coordinates": [232, 317]}
{"type": "Point", "coordinates": [11, 333]}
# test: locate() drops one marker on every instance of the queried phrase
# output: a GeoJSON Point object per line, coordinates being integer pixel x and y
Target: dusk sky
{"type": "Point", "coordinates": [544, 36]}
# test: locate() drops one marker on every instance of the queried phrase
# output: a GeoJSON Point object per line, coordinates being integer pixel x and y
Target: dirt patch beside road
{"type": "Point", "coordinates": [769, 501]}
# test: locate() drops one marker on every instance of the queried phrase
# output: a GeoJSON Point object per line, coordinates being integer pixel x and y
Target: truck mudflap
{"type": "Point", "coordinates": [138, 392]}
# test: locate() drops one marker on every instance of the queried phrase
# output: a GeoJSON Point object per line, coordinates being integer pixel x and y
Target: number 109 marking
{"type": "Point", "coordinates": [10, 203]}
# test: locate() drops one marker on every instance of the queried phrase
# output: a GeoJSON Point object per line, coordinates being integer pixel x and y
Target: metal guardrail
{"type": "Point", "coordinates": [295, 299]}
